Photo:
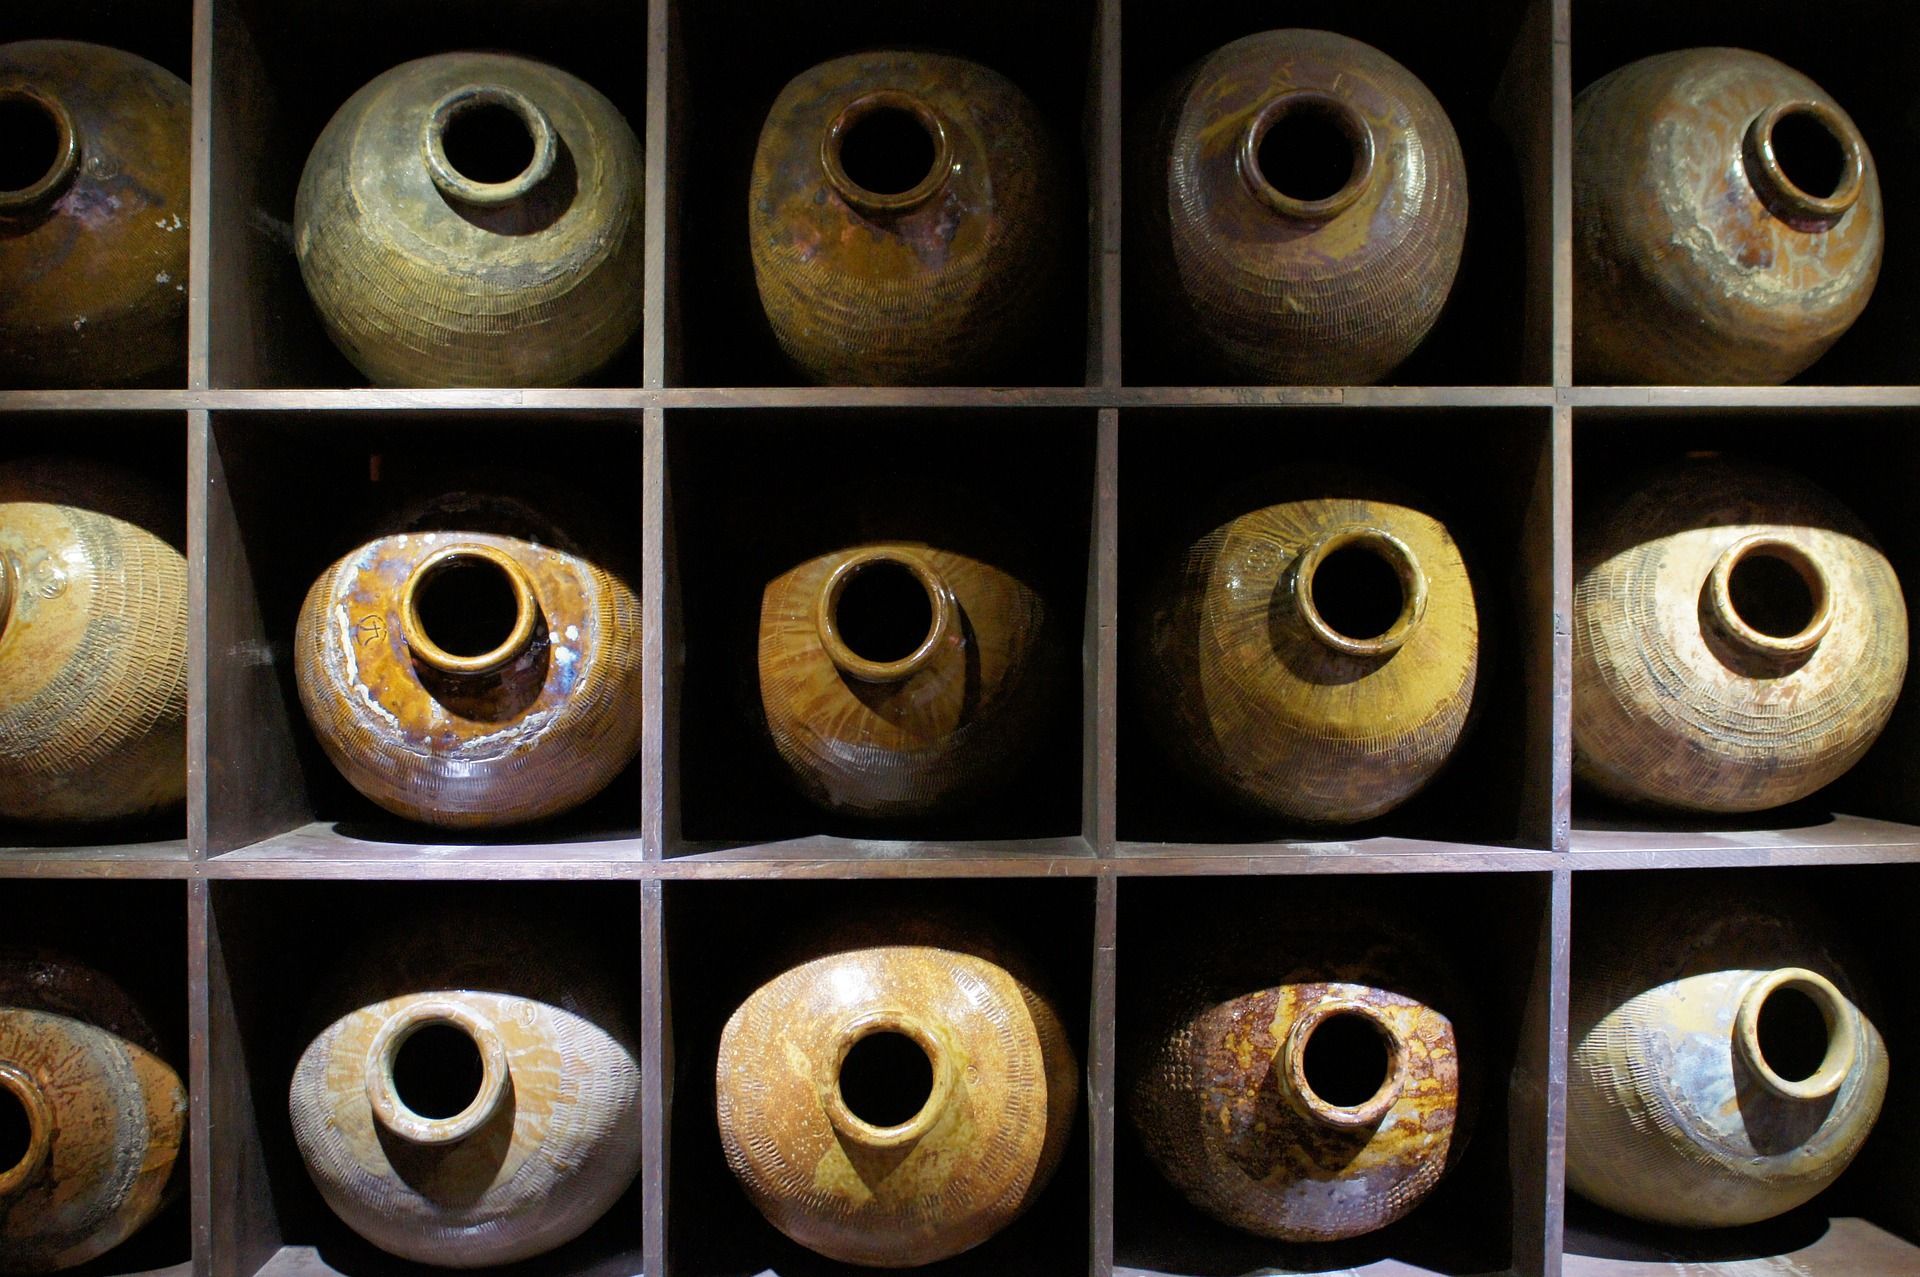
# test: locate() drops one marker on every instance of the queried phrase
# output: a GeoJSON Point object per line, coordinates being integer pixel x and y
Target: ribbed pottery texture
{"type": "Point", "coordinates": [941, 281]}
{"type": "Point", "coordinates": [1698, 257]}
{"type": "Point", "coordinates": [1262, 682]}
{"type": "Point", "coordinates": [93, 643]}
{"type": "Point", "coordinates": [106, 1116]}
{"type": "Point", "coordinates": [1263, 276]}
{"type": "Point", "coordinates": [93, 216]}
{"type": "Point", "coordinates": [1739, 640]}
{"type": "Point", "coordinates": [1677, 1111]}
{"type": "Point", "coordinates": [430, 274]}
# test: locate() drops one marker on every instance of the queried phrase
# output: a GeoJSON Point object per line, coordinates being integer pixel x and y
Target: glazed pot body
{"type": "Point", "coordinates": [1739, 640]}
{"type": "Point", "coordinates": [474, 219]}
{"type": "Point", "coordinates": [1315, 658]}
{"type": "Point", "coordinates": [1688, 1103]}
{"type": "Point", "coordinates": [977, 1141]}
{"type": "Point", "coordinates": [944, 274]}
{"type": "Point", "coordinates": [528, 715]}
{"type": "Point", "coordinates": [105, 1116]}
{"type": "Point", "coordinates": [899, 678]}
{"type": "Point", "coordinates": [93, 216]}
{"type": "Point", "coordinates": [1698, 256]}
{"type": "Point", "coordinates": [1303, 211]}
{"type": "Point", "coordinates": [93, 643]}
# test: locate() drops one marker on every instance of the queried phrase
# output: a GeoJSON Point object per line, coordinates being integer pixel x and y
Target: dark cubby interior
{"type": "Point", "coordinates": [158, 30]}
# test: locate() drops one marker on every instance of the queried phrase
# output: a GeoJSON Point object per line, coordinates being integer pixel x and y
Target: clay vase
{"type": "Point", "coordinates": [471, 678]}
{"type": "Point", "coordinates": [1313, 658]}
{"type": "Point", "coordinates": [901, 679]}
{"type": "Point", "coordinates": [1724, 1069]}
{"type": "Point", "coordinates": [474, 219]}
{"type": "Point", "coordinates": [1301, 211]}
{"type": "Point", "coordinates": [95, 1120]}
{"type": "Point", "coordinates": [1738, 639]}
{"type": "Point", "coordinates": [905, 219]}
{"type": "Point", "coordinates": [1726, 221]}
{"type": "Point", "coordinates": [477, 1100]}
{"type": "Point", "coordinates": [895, 1105]}
{"type": "Point", "coordinates": [93, 216]}
{"type": "Point", "coordinates": [93, 643]}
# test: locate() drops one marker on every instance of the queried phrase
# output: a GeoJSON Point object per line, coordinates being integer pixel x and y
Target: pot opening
{"type": "Point", "coordinates": [886, 1079]}
{"type": "Point", "coordinates": [1358, 592]}
{"type": "Point", "coordinates": [437, 1071]}
{"type": "Point", "coordinates": [1308, 152]}
{"type": "Point", "coordinates": [1771, 593]}
{"type": "Point", "coordinates": [488, 142]}
{"type": "Point", "coordinates": [1794, 1035]}
{"type": "Point", "coordinates": [467, 606]}
{"type": "Point", "coordinates": [1809, 153]}
{"type": "Point", "coordinates": [884, 612]}
{"type": "Point", "coordinates": [30, 143]}
{"type": "Point", "coordinates": [16, 1131]}
{"type": "Point", "coordinates": [887, 151]}
{"type": "Point", "coordinates": [1347, 1060]}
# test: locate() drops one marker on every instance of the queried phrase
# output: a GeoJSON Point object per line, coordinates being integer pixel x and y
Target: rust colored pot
{"type": "Point", "coordinates": [1302, 211]}
{"type": "Point", "coordinates": [1727, 221]}
{"type": "Point", "coordinates": [1738, 639]}
{"type": "Point", "coordinates": [474, 219]}
{"type": "Point", "coordinates": [93, 216]}
{"type": "Point", "coordinates": [93, 643]}
{"type": "Point", "coordinates": [905, 220]}
{"type": "Point", "coordinates": [96, 1119]}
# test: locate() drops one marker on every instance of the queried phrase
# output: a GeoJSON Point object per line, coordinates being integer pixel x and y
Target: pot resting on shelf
{"type": "Point", "coordinates": [474, 219]}
{"type": "Point", "coordinates": [1727, 223]}
{"type": "Point", "coordinates": [1738, 639]}
{"type": "Point", "coordinates": [93, 643]}
{"type": "Point", "coordinates": [1724, 1068]}
{"type": "Point", "coordinates": [905, 220]}
{"type": "Point", "coordinates": [93, 1119]}
{"type": "Point", "coordinates": [93, 216]}
{"type": "Point", "coordinates": [1302, 211]}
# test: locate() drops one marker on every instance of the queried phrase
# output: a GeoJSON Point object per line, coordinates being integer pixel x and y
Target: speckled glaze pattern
{"type": "Point", "coordinates": [1677, 702]}
{"type": "Point", "coordinates": [939, 285]}
{"type": "Point", "coordinates": [427, 280]}
{"type": "Point", "coordinates": [1689, 269]}
{"type": "Point", "coordinates": [1005, 1087]}
{"type": "Point", "coordinates": [93, 643]}
{"type": "Point", "coordinates": [93, 253]}
{"type": "Point", "coordinates": [1336, 291]}
{"type": "Point", "coordinates": [1670, 1117]}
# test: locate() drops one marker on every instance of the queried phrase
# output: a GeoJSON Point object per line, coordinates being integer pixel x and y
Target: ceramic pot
{"type": "Point", "coordinates": [1738, 639]}
{"type": "Point", "coordinates": [1301, 212]}
{"type": "Point", "coordinates": [1726, 224]}
{"type": "Point", "coordinates": [477, 1100]}
{"type": "Point", "coordinates": [895, 1105]}
{"type": "Point", "coordinates": [1724, 1067]}
{"type": "Point", "coordinates": [92, 1120]}
{"type": "Point", "coordinates": [93, 216]}
{"type": "Point", "coordinates": [905, 219]}
{"type": "Point", "coordinates": [93, 643]}
{"type": "Point", "coordinates": [1315, 657]}
{"type": "Point", "coordinates": [474, 219]}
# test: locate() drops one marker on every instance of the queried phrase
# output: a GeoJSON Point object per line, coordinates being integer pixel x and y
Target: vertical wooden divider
{"type": "Point", "coordinates": [656, 1065]}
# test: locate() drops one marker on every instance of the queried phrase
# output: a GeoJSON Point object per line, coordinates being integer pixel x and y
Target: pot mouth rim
{"type": "Point", "coordinates": [1778, 189]}
{"type": "Point", "coordinates": [1397, 555]}
{"type": "Point", "coordinates": [939, 1092]}
{"type": "Point", "coordinates": [940, 603]}
{"type": "Point", "coordinates": [1350, 122]}
{"type": "Point", "coordinates": [861, 108]}
{"type": "Point", "coordinates": [394, 1114]}
{"type": "Point", "coordinates": [467, 98]}
{"type": "Point", "coordinates": [1372, 1110]}
{"type": "Point", "coordinates": [65, 163]}
{"type": "Point", "coordinates": [16, 1082]}
{"type": "Point", "coordinates": [1842, 1020]}
{"type": "Point", "coordinates": [525, 620]}
{"type": "Point", "coordinates": [1726, 612]}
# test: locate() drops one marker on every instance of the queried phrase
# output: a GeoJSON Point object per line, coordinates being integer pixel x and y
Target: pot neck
{"type": "Point", "coordinates": [21, 1091]}
{"type": "Point", "coordinates": [500, 117]}
{"type": "Point", "coordinates": [860, 571]}
{"type": "Point", "coordinates": [1297, 1075]}
{"type": "Point", "coordinates": [943, 1081]}
{"type": "Point", "coordinates": [1840, 1016]}
{"type": "Point", "coordinates": [1318, 579]}
{"type": "Point", "coordinates": [1291, 145]}
{"type": "Point", "coordinates": [392, 1113]}
{"type": "Point", "coordinates": [894, 116]}
{"type": "Point", "coordinates": [29, 111]}
{"type": "Point", "coordinates": [1783, 148]}
{"type": "Point", "coordinates": [481, 560]}
{"type": "Point", "coordinates": [9, 591]}
{"type": "Point", "coordinates": [1728, 594]}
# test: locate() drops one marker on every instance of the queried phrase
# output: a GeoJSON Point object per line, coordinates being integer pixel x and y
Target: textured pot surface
{"type": "Point", "coordinates": [905, 220]}
{"type": "Point", "coordinates": [1724, 1069]}
{"type": "Point", "coordinates": [93, 216]}
{"type": "Point", "coordinates": [1315, 658]}
{"type": "Point", "coordinates": [898, 678]}
{"type": "Point", "coordinates": [1303, 210]}
{"type": "Point", "coordinates": [474, 219]}
{"type": "Point", "coordinates": [93, 643]}
{"type": "Point", "coordinates": [895, 1105]}
{"type": "Point", "coordinates": [102, 1118]}
{"type": "Point", "coordinates": [1727, 224]}
{"type": "Point", "coordinates": [1739, 640]}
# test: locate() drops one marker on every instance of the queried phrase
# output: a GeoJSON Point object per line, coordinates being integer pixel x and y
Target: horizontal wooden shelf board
{"type": "Point", "coordinates": [170, 858]}
{"type": "Point", "coordinates": [307, 1261]}
{"type": "Point", "coordinates": [322, 850]}
{"type": "Point", "coordinates": [95, 400]}
{"type": "Point", "coordinates": [833, 857]}
{"type": "Point", "coordinates": [1378, 1268]}
{"type": "Point", "coordinates": [1748, 397]}
{"type": "Point", "coordinates": [1847, 1247]}
{"type": "Point", "coordinates": [1842, 839]}
{"type": "Point", "coordinates": [1371, 855]}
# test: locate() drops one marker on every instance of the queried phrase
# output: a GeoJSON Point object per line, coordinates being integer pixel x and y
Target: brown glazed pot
{"type": "Point", "coordinates": [101, 1117]}
{"type": "Point", "coordinates": [1726, 224]}
{"type": "Point", "coordinates": [1302, 211]}
{"type": "Point", "coordinates": [898, 678]}
{"type": "Point", "coordinates": [938, 269]}
{"type": "Point", "coordinates": [93, 643]}
{"type": "Point", "coordinates": [1724, 1068]}
{"type": "Point", "coordinates": [1738, 639]}
{"type": "Point", "coordinates": [93, 216]}
{"type": "Point", "coordinates": [477, 1099]}
{"type": "Point", "coordinates": [1314, 658]}
{"type": "Point", "coordinates": [474, 219]}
